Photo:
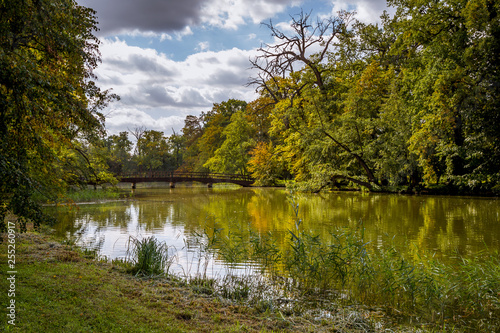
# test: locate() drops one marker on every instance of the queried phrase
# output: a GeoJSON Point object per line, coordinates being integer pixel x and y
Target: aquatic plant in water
{"type": "Point", "coordinates": [149, 256]}
{"type": "Point", "coordinates": [344, 269]}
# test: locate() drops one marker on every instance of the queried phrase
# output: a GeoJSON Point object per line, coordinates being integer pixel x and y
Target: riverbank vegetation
{"type": "Point", "coordinates": [94, 294]}
{"type": "Point", "coordinates": [338, 284]}
{"type": "Point", "coordinates": [62, 289]}
{"type": "Point", "coordinates": [343, 269]}
{"type": "Point", "coordinates": [83, 195]}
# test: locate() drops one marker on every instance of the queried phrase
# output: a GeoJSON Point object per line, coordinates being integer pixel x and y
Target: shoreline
{"type": "Point", "coordinates": [61, 285]}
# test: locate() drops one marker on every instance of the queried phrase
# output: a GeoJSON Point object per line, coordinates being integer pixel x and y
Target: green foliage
{"type": "Point", "coordinates": [152, 151]}
{"type": "Point", "coordinates": [232, 157]}
{"type": "Point", "coordinates": [413, 102]}
{"type": "Point", "coordinates": [118, 153]}
{"type": "Point", "coordinates": [84, 163]}
{"type": "Point", "coordinates": [215, 122]}
{"type": "Point", "coordinates": [149, 256]}
{"type": "Point", "coordinates": [47, 96]}
{"type": "Point", "coordinates": [191, 133]}
{"type": "Point", "coordinates": [450, 90]}
{"type": "Point", "coordinates": [266, 165]}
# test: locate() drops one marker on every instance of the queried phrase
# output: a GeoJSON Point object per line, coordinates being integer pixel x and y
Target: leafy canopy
{"type": "Point", "coordinates": [47, 96]}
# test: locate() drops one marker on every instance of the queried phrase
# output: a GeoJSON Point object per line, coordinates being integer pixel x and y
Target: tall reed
{"type": "Point", "coordinates": [343, 267]}
{"type": "Point", "coordinates": [149, 256]}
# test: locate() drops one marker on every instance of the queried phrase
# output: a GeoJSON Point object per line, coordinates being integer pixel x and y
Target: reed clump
{"type": "Point", "coordinates": [149, 257]}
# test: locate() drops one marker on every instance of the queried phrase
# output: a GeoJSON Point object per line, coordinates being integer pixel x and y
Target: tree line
{"type": "Point", "coordinates": [411, 103]}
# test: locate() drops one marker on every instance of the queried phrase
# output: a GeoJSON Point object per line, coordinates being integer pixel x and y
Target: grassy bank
{"type": "Point", "coordinates": [89, 195]}
{"type": "Point", "coordinates": [59, 288]}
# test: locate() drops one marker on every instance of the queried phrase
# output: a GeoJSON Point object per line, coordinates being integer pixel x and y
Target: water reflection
{"type": "Point", "coordinates": [181, 216]}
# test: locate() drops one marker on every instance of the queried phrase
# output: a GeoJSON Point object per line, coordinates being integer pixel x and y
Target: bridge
{"type": "Point", "coordinates": [208, 178]}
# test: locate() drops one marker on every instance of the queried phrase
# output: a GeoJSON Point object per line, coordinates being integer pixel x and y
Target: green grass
{"type": "Point", "coordinates": [86, 195]}
{"type": "Point", "coordinates": [58, 289]}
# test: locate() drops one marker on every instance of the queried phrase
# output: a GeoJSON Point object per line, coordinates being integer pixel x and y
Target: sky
{"type": "Point", "coordinates": [167, 59]}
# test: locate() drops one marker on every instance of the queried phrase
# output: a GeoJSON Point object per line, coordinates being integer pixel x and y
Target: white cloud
{"type": "Point", "coordinates": [184, 32]}
{"type": "Point", "coordinates": [367, 11]}
{"type": "Point", "coordinates": [285, 27]}
{"type": "Point", "coordinates": [124, 119]}
{"type": "Point", "coordinates": [230, 14]}
{"type": "Point", "coordinates": [164, 37]}
{"type": "Point", "coordinates": [157, 91]}
{"type": "Point", "coordinates": [202, 46]}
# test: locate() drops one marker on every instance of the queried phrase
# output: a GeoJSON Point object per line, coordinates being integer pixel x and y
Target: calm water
{"type": "Point", "coordinates": [181, 216]}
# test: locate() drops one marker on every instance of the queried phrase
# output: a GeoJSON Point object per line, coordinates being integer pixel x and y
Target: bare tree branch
{"type": "Point", "coordinates": [137, 133]}
{"type": "Point", "coordinates": [298, 50]}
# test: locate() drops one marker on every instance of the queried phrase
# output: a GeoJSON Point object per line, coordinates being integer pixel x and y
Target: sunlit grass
{"type": "Point", "coordinates": [59, 290]}
{"type": "Point", "coordinates": [86, 195]}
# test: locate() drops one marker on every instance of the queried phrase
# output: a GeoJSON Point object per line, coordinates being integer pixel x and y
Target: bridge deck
{"type": "Point", "coordinates": [177, 177]}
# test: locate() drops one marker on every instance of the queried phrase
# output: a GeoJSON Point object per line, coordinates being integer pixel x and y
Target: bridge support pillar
{"type": "Point", "coordinates": [172, 185]}
{"type": "Point", "coordinates": [210, 185]}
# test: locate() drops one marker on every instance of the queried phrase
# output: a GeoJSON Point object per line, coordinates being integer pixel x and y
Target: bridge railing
{"type": "Point", "coordinates": [193, 175]}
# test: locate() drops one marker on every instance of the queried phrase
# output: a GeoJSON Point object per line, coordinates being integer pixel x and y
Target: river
{"type": "Point", "coordinates": [184, 217]}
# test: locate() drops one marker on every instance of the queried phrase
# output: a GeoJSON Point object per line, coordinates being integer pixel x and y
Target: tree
{"type": "Point", "coordinates": [258, 114]}
{"type": "Point", "coordinates": [118, 153]}
{"type": "Point", "coordinates": [84, 163]}
{"type": "Point", "coordinates": [214, 123]}
{"type": "Point", "coordinates": [451, 74]}
{"type": "Point", "coordinates": [153, 152]}
{"type": "Point", "coordinates": [137, 133]}
{"type": "Point", "coordinates": [320, 137]}
{"type": "Point", "coordinates": [266, 166]}
{"type": "Point", "coordinates": [175, 143]}
{"type": "Point", "coordinates": [191, 133]}
{"type": "Point", "coordinates": [232, 156]}
{"type": "Point", "coordinates": [47, 96]}
{"type": "Point", "coordinates": [292, 52]}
